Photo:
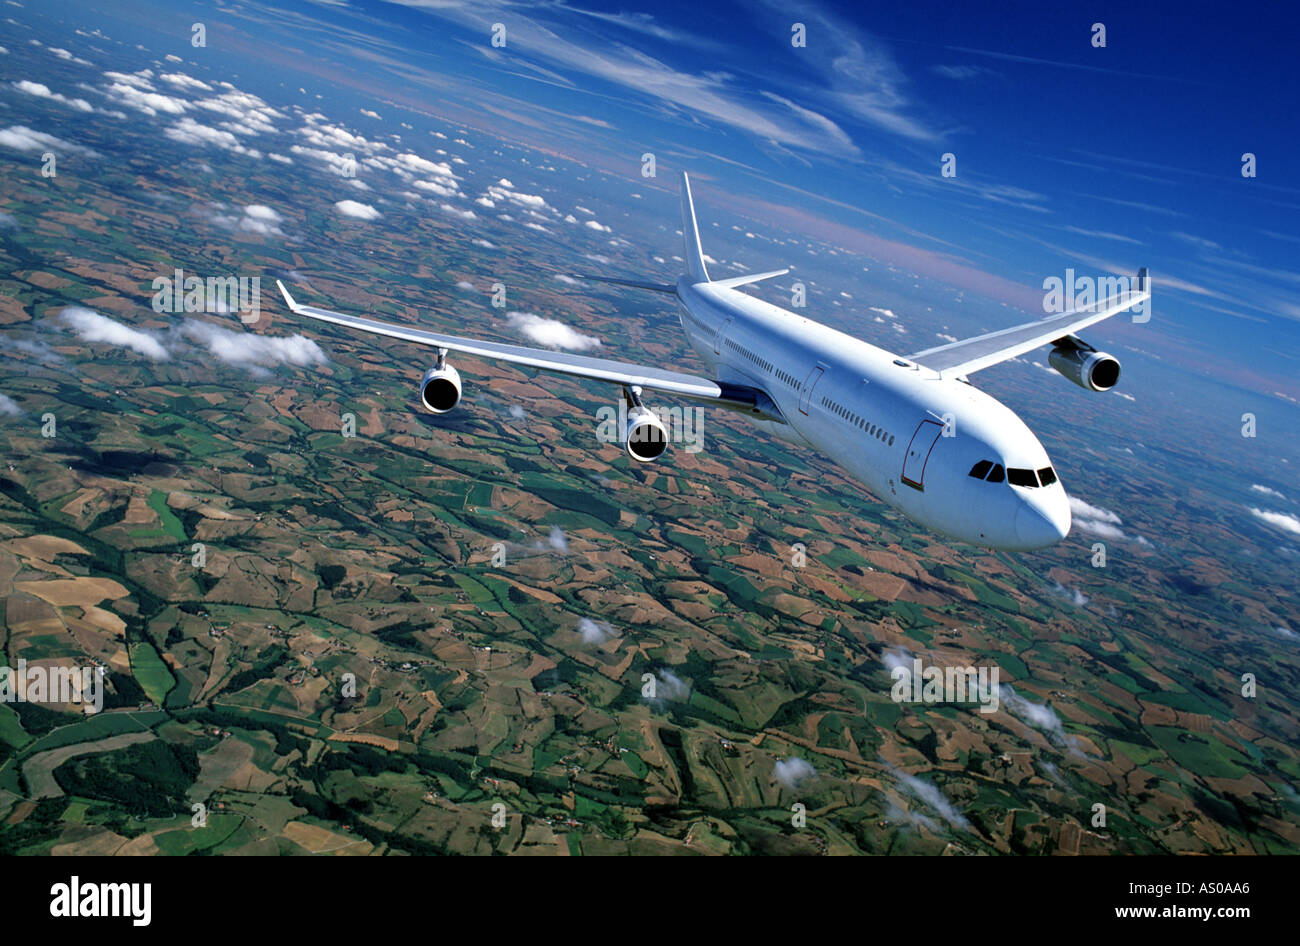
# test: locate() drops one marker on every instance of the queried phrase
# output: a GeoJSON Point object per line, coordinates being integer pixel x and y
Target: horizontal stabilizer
{"type": "Point", "coordinates": [736, 281]}
{"type": "Point", "coordinates": [631, 283]}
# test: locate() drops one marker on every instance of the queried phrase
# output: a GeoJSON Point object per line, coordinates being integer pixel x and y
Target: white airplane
{"type": "Point", "coordinates": [911, 428]}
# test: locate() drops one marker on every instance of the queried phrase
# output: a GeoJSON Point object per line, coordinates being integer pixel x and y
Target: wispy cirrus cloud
{"type": "Point", "coordinates": [556, 34]}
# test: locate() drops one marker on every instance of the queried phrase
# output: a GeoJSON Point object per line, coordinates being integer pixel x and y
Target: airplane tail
{"type": "Point", "coordinates": [692, 252]}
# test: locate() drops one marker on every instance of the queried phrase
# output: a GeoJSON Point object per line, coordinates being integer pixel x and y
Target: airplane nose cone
{"type": "Point", "coordinates": [1040, 525]}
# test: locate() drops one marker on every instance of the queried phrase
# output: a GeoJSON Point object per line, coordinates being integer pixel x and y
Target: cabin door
{"type": "Point", "coordinates": [805, 396]}
{"type": "Point", "coordinates": [918, 453]}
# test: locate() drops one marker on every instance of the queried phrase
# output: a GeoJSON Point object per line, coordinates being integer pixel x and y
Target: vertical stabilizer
{"type": "Point", "coordinates": [691, 251]}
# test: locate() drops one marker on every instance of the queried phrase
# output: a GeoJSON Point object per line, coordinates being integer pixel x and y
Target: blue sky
{"type": "Point", "coordinates": [1067, 155]}
{"type": "Point", "coordinates": [1103, 159]}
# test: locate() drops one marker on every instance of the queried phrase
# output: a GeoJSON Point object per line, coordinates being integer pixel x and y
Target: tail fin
{"type": "Point", "coordinates": [692, 252]}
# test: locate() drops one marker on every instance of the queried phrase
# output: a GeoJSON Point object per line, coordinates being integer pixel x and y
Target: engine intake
{"type": "Point", "coordinates": [440, 389]}
{"type": "Point", "coordinates": [645, 436]}
{"type": "Point", "coordinates": [1089, 369]}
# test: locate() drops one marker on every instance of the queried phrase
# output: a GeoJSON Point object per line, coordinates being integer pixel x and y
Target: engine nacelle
{"type": "Point", "coordinates": [1089, 369]}
{"type": "Point", "coordinates": [645, 436]}
{"type": "Point", "coordinates": [440, 389]}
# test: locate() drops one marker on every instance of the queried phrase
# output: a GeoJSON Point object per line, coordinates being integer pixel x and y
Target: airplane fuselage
{"type": "Point", "coordinates": [911, 436]}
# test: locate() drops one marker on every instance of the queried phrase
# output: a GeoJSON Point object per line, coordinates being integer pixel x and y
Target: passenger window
{"type": "Point", "coordinates": [981, 469]}
{"type": "Point", "coordinates": [998, 474]}
{"type": "Point", "coordinates": [1047, 475]}
{"type": "Point", "coordinates": [1017, 477]}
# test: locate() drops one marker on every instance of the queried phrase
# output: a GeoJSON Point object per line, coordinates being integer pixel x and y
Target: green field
{"type": "Point", "coordinates": [150, 671]}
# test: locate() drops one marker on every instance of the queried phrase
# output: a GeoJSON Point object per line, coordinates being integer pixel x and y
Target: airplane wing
{"type": "Point", "coordinates": [582, 366]}
{"type": "Point", "coordinates": [972, 354]}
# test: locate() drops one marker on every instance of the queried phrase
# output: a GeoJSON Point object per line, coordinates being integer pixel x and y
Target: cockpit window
{"type": "Point", "coordinates": [1047, 475]}
{"type": "Point", "coordinates": [981, 469]}
{"type": "Point", "coordinates": [998, 475]}
{"type": "Point", "coordinates": [1018, 477]}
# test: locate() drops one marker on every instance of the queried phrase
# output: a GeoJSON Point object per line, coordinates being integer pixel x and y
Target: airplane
{"type": "Point", "coordinates": [911, 428]}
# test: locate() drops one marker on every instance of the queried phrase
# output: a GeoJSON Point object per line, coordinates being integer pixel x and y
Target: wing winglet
{"type": "Point", "coordinates": [288, 299]}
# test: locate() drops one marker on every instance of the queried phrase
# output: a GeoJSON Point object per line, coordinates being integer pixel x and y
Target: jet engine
{"type": "Point", "coordinates": [440, 389]}
{"type": "Point", "coordinates": [644, 436]}
{"type": "Point", "coordinates": [1088, 368]}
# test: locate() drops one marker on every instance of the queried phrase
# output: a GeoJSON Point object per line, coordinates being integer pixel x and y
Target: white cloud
{"type": "Point", "coordinates": [359, 211]}
{"type": "Point", "coordinates": [253, 351]}
{"type": "Point", "coordinates": [43, 91]}
{"type": "Point", "coordinates": [549, 332]}
{"type": "Point", "coordinates": [245, 113]}
{"type": "Point", "coordinates": [503, 190]}
{"type": "Point", "coordinates": [484, 243]}
{"type": "Point", "coordinates": [669, 686]}
{"type": "Point", "coordinates": [1267, 491]}
{"type": "Point", "coordinates": [67, 56]}
{"type": "Point", "coordinates": [423, 166]}
{"type": "Point", "coordinates": [895, 658]}
{"type": "Point", "coordinates": [1039, 715]}
{"type": "Point", "coordinates": [442, 190]}
{"type": "Point", "coordinates": [930, 796]}
{"type": "Point", "coordinates": [594, 632]}
{"type": "Point", "coordinates": [457, 212]}
{"type": "Point", "coordinates": [339, 164]}
{"type": "Point", "coordinates": [322, 135]}
{"type": "Point", "coordinates": [256, 218]}
{"type": "Point", "coordinates": [1098, 521]}
{"type": "Point", "coordinates": [9, 407]}
{"type": "Point", "coordinates": [1073, 595]}
{"type": "Point", "coordinates": [142, 100]}
{"type": "Point", "coordinates": [596, 225]}
{"type": "Point", "coordinates": [790, 772]}
{"type": "Point", "coordinates": [463, 284]}
{"type": "Point", "coordinates": [182, 81]}
{"type": "Point", "coordinates": [1280, 520]}
{"type": "Point", "coordinates": [22, 138]}
{"type": "Point", "coordinates": [90, 326]}
{"type": "Point", "coordinates": [188, 131]}
{"type": "Point", "coordinates": [140, 80]}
